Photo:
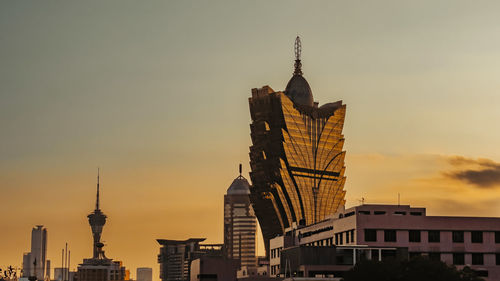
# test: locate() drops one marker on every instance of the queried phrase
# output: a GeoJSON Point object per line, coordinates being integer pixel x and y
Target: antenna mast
{"type": "Point", "coordinates": [298, 52]}
{"type": "Point", "coordinates": [97, 197]}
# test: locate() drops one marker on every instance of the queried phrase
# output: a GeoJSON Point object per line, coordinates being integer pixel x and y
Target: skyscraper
{"type": "Point", "coordinates": [240, 223]}
{"type": "Point", "coordinates": [34, 262]}
{"type": "Point", "coordinates": [296, 158]}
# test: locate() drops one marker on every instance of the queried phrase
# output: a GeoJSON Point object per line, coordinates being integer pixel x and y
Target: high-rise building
{"type": "Point", "coordinates": [176, 256]}
{"type": "Point", "coordinates": [240, 223]}
{"type": "Point", "coordinates": [296, 158]}
{"type": "Point", "coordinates": [144, 274]}
{"type": "Point", "coordinates": [34, 262]}
{"type": "Point", "coordinates": [99, 267]}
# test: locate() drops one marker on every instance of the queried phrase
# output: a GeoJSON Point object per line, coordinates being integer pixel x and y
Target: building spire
{"type": "Point", "coordinates": [97, 197]}
{"type": "Point", "coordinates": [298, 51]}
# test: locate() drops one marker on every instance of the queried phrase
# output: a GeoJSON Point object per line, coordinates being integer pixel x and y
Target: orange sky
{"type": "Point", "coordinates": [156, 95]}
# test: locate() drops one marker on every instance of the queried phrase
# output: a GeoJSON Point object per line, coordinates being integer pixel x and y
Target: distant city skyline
{"type": "Point", "coordinates": [156, 94]}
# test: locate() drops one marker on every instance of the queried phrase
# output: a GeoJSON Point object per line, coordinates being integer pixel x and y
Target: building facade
{"type": "Point", "coordinates": [378, 231]}
{"type": "Point", "coordinates": [240, 223]}
{"type": "Point", "coordinates": [144, 274]}
{"type": "Point", "coordinates": [296, 155]}
{"type": "Point", "coordinates": [176, 256]}
{"type": "Point", "coordinates": [35, 262]}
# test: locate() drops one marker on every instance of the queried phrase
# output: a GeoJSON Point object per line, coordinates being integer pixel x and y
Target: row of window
{"type": "Point", "coordinates": [349, 237]}
{"type": "Point", "coordinates": [275, 253]}
{"type": "Point", "coordinates": [434, 236]}
{"type": "Point", "coordinates": [275, 269]}
{"type": "Point", "coordinates": [459, 258]}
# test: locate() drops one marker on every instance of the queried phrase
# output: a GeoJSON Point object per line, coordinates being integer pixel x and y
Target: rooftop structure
{"type": "Point", "coordinates": [296, 155]}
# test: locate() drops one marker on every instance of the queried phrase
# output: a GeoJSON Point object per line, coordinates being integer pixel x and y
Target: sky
{"type": "Point", "coordinates": [155, 94]}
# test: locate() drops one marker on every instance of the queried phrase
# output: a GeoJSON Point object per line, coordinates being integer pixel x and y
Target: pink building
{"type": "Point", "coordinates": [461, 241]}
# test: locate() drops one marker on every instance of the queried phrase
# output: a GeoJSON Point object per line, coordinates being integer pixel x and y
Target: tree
{"type": "Point", "coordinates": [416, 269]}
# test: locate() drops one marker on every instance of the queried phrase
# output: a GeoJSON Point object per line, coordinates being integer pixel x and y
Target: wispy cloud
{"type": "Point", "coordinates": [483, 173]}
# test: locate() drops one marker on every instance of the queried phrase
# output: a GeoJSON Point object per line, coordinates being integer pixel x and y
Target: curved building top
{"type": "Point", "coordinates": [297, 89]}
{"type": "Point", "coordinates": [240, 186]}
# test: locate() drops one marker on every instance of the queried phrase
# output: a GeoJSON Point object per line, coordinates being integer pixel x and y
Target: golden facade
{"type": "Point", "coordinates": [296, 158]}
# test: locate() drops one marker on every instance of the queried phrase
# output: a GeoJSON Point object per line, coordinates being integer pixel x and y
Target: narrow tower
{"type": "Point", "coordinates": [240, 223]}
{"type": "Point", "coordinates": [97, 219]}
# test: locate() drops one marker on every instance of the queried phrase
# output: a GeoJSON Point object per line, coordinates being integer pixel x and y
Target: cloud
{"type": "Point", "coordinates": [483, 173]}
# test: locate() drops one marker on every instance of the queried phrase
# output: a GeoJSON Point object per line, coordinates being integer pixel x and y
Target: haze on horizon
{"type": "Point", "coordinates": [156, 95]}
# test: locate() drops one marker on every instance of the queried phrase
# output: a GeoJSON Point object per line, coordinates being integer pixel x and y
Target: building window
{"type": "Point", "coordinates": [414, 235]}
{"type": "Point", "coordinates": [379, 212]}
{"type": "Point", "coordinates": [477, 259]}
{"type": "Point", "coordinates": [341, 238]}
{"type": "Point", "coordinates": [336, 238]}
{"type": "Point", "coordinates": [433, 256]}
{"type": "Point", "coordinates": [497, 237]}
{"type": "Point", "coordinates": [476, 237]}
{"type": "Point", "coordinates": [390, 235]}
{"type": "Point", "coordinates": [347, 237]}
{"type": "Point", "coordinates": [434, 236]}
{"type": "Point", "coordinates": [370, 235]}
{"type": "Point", "coordinates": [352, 236]}
{"type": "Point", "coordinates": [458, 236]}
{"type": "Point", "coordinates": [497, 256]}
{"type": "Point", "coordinates": [458, 258]}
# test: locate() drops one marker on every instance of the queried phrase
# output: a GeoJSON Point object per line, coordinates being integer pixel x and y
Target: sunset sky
{"type": "Point", "coordinates": [155, 93]}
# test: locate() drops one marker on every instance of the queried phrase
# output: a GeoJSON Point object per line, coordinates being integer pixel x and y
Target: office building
{"type": "Point", "coordinates": [296, 156]}
{"type": "Point", "coordinates": [176, 256]}
{"type": "Point", "coordinates": [240, 223]}
{"type": "Point", "coordinates": [388, 231]}
{"type": "Point", "coordinates": [144, 274]}
{"type": "Point", "coordinates": [35, 262]}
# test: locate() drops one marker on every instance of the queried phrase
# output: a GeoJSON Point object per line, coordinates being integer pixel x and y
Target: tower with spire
{"type": "Point", "coordinates": [240, 223]}
{"type": "Point", "coordinates": [296, 156]}
{"type": "Point", "coordinates": [97, 220]}
{"type": "Point", "coordinates": [99, 267]}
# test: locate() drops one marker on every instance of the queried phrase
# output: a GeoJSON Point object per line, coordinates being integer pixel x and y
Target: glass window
{"type": "Point", "coordinates": [370, 235]}
{"type": "Point", "coordinates": [458, 258]}
{"type": "Point", "coordinates": [477, 259]}
{"type": "Point", "coordinates": [434, 236]}
{"type": "Point", "coordinates": [390, 235]}
{"type": "Point", "coordinates": [341, 238]}
{"type": "Point", "coordinates": [352, 236]}
{"type": "Point", "coordinates": [458, 236]}
{"type": "Point", "coordinates": [476, 236]}
{"type": "Point", "coordinates": [497, 256]}
{"type": "Point", "coordinates": [347, 237]}
{"type": "Point", "coordinates": [497, 237]}
{"type": "Point", "coordinates": [336, 238]}
{"type": "Point", "coordinates": [414, 235]}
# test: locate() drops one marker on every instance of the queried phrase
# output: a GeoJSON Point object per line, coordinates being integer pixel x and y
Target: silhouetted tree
{"type": "Point", "coordinates": [416, 269]}
{"type": "Point", "coordinates": [8, 274]}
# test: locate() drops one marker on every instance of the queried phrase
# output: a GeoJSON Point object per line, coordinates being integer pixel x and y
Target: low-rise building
{"type": "Point", "coordinates": [459, 241]}
{"type": "Point", "coordinates": [176, 256]}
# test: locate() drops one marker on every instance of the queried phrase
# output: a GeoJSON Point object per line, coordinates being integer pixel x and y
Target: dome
{"type": "Point", "coordinates": [299, 91]}
{"type": "Point", "coordinates": [240, 186]}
